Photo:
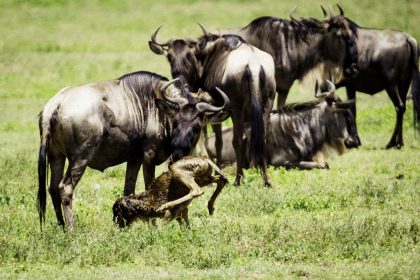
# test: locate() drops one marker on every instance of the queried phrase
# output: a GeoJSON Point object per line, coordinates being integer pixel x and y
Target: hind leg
{"type": "Point", "coordinates": [399, 104]}
{"type": "Point", "coordinates": [57, 168]}
{"type": "Point", "coordinates": [74, 172]}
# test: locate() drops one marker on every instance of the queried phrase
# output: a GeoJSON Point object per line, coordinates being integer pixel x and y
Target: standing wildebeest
{"type": "Point", "coordinates": [170, 194]}
{"type": "Point", "coordinates": [298, 46]}
{"type": "Point", "coordinates": [106, 123]}
{"type": "Point", "coordinates": [244, 72]}
{"type": "Point", "coordinates": [387, 60]}
{"type": "Point", "coordinates": [299, 135]}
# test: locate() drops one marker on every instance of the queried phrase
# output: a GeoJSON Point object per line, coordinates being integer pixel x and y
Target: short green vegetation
{"type": "Point", "coordinates": [360, 219]}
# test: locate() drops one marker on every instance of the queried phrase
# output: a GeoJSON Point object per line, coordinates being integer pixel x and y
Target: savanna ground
{"type": "Point", "coordinates": [360, 219]}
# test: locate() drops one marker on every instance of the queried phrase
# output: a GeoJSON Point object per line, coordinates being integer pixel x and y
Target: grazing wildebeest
{"type": "Point", "coordinates": [243, 71]}
{"type": "Point", "coordinates": [298, 46]}
{"type": "Point", "coordinates": [387, 60]}
{"type": "Point", "coordinates": [170, 194]}
{"type": "Point", "coordinates": [106, 123]}
{"type": "Point", "coordinates": [301, 134]}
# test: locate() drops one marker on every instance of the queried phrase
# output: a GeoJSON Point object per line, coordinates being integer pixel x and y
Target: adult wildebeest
{"type": "Point", "coordinates": [244, 72]}
{"type": "Point", "coordinates": [138, 118]}
{"type": "Point", "coordinates": [298, 46]}
{"type": "Point", "coordinates": [170, 194]}
{"type": "Point", "coordinates": [301, 134]}
{"type": "Point", "coordinates": [387, 60]}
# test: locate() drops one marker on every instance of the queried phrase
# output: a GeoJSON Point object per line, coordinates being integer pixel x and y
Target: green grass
{"type": "Point", "coordinates": [360, 219]}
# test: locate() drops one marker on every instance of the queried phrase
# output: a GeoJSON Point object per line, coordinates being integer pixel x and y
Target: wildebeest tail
{"type": "Point", "coordinates": [257, 141]}
{"type": "Point", "coordinates": [42, 171]}
{"type": "Point", "coordinates": [415, 81]}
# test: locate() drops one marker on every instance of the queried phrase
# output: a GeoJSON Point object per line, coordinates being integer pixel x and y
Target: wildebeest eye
{"type": "Point", "coordinates": [189, 56]}
{"type": "Point", "coordinates": [170, 58]}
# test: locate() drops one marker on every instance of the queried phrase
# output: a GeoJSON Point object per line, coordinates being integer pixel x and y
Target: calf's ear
{"type": "Point", "coordinates": [166, 108]}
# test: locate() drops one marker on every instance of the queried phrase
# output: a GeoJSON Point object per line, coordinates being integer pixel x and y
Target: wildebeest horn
{"type": "Point", "coordinates": [202, 28]}
{"type": "Point", "coordinates": [324, 12]}
{"type": "Point", "coordinates": [292, 12]}
{"type": "Point", "coordinates": [180, 101]}
{"type": "Point", "coordinates": [341, 10]}
{"type": "Point", "coordinates": [154, 38]}
{"type": "Point", "coordinates": [205, 107]}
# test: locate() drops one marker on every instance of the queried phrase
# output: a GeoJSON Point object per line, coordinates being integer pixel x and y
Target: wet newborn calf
{"type": "Point", "coordinates": [170, 194]}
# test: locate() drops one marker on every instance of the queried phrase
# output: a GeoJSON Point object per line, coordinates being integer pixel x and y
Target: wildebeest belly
{"type": "Point", "coordinates": [370, 82]}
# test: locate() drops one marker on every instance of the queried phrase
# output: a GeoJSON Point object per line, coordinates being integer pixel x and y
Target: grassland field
{"type": "Point", "coordinates": [358, 220]}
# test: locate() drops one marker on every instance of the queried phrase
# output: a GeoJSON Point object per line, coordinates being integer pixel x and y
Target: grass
{"type": "Point", "coordinates": [357, 220]}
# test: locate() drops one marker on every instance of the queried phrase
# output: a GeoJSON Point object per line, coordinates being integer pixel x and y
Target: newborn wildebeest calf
{"type": "Point", "coordinates": [170, 194]}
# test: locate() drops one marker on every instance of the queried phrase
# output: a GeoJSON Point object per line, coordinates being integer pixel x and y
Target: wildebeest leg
{"type": "Point", "coordinates": [281, 97]}
{"type": "Point", "coordinates": [57, 168]}
{"type": "Point", "coordinates": [311, 165]}
{"type": "Point", "coordinates": [351, 94]}
{"type": "Point", "coordinates": [220, 185]}
{"type": "Point", "coordinates": [74, 172]}
{"type": "Point", "coordinates": [217, 129]}
{"type": "Point", "coordinates": [148, 174]}
{"type": "Point", "coordinates": [131, 173]}
{"type": "Point", "coordinates": [187, 180]}
{"type": "Point", "coordinates": [396, 139]}
{"type": "Point", "coordinates": [239, 145]}
{"type": "Point", "coordinates": [185, 216]}
{"type": "Point", "coordinates": [268, 105]}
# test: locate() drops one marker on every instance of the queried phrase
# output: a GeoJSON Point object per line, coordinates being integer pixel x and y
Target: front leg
{"type": "Point", "coordinates": [220, 185]}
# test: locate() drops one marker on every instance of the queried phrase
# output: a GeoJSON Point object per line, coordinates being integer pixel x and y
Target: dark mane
{"type": "Point", "coordinates": [299, 107]}
{"type": "Point", "coordinates": [142, 82]}
{"type": "Point", "coordinates": [353, 26]}
{"type": "Point", "coordinates": [296, 29]}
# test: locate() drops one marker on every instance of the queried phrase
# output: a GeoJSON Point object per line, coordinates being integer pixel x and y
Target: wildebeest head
{"type": "Point", "coordinates": [181, 56]}
{"type": "Point", "coordinates": [345, 31]}
{"type": "Point", "coordinates": [342, 126]}
{"type": "Point", "coordinates": [189, 114]}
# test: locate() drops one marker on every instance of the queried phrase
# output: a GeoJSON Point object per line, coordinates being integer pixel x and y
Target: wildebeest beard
{"type": "Point", "coordinates": [185, 138]}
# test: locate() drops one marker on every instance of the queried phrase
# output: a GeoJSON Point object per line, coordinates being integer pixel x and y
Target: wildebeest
{"type": "Point", "coordinates": [298, 46]}
{"type": "Point", "coordinates": [301, 134]}
{"type": "Point", "coordinates": [244, 72]}
{"type": "Point", "coordinates": [170, 194]}
{"type": "Point", "coordinates": [139, 118]}
{"type": "Point", "coordinates": [387, 60]}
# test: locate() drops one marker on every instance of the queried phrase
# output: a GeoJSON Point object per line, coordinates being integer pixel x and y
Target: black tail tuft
{"type": "Point", "coordinates": [257, 141]}
{"type": "Point", "coordinates": [42, 177]}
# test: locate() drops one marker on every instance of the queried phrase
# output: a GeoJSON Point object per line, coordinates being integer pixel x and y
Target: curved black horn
{"type": "Point", "coordinates": [180, 101]}
{"type": "Point", "coordinates": [291, 14]}
{"type": "Point", "coordinates": [205, 107]}
{"type": "Point", "coordinates": [324, 12]}
{"type": "Point", "coordinates": [202, 28]}
{"type": "Point", "coordinates": [153, 38]}
{"type": "Point", "coordinates": [341, 10]}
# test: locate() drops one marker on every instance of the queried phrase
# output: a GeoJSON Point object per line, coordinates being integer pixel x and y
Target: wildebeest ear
{"type": "Point", "coordinates": [165, 108]}
{"type": "Point", "coordinates": [218, 117]}
{"type": "Point", "coordinates": [156, 48]}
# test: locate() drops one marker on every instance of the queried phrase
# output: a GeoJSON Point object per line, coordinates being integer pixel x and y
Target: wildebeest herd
{"type": "Point", "coordinates": [145, 119]}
